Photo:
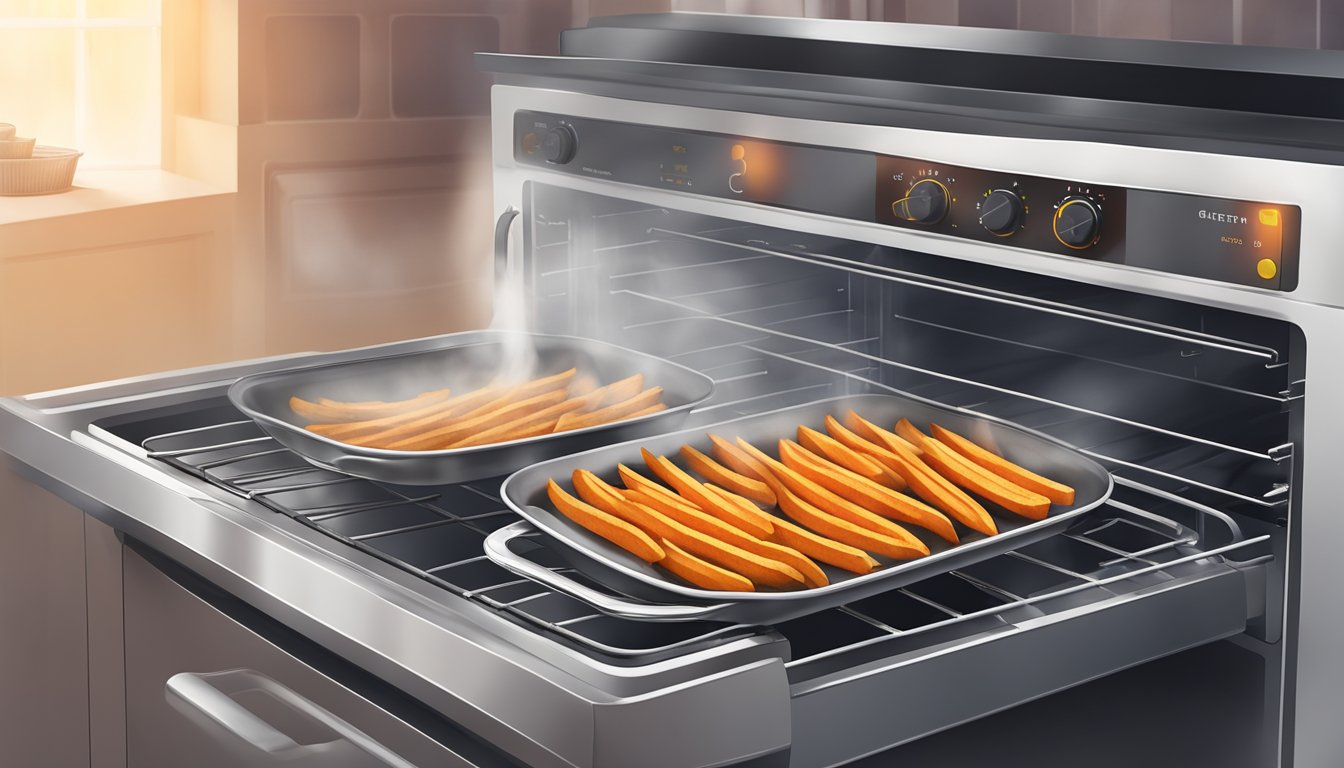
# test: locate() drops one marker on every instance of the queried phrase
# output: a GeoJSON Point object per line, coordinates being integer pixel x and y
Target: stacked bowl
{"type": "Point", "coordinates": [29, 169]}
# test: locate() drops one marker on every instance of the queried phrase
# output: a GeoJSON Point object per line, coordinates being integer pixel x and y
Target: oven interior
{"type": "Point", "coordinates": [1183, 397]}
{"type": "Point", "coordinates": [1195, 410]}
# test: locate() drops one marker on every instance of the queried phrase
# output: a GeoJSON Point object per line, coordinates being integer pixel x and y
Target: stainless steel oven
{"type": "Point", "coordinates": [1061, 233]}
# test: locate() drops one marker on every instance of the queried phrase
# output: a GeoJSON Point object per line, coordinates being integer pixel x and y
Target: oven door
{"type": "Point", "coordinates": [1190, 407]}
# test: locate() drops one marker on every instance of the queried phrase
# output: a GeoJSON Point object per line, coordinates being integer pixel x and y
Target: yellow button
{"type": "Point", "coordinates": [1267, 269]}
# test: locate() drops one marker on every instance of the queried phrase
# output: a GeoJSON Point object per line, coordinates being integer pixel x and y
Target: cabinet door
{"type": "Point", "coordinates": [44, 695]}
{"type": "Point", "coordinates": [204, 690]}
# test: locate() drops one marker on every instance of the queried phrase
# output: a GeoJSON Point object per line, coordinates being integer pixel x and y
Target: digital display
{"type": "Point", "coordinates": [1236, 241]}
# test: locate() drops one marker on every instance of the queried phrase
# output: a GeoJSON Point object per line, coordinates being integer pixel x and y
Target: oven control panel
{"type": "Point", "coordinates": [1061, 216]}
{"type": "Point", "coordinates": [1244, 242]}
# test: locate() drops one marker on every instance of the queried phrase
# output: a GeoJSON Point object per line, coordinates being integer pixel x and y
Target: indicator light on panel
{"type": "Point", "coordinates": [1266, 268]}
{"type": "Point", "coordinates": [1269, 217]}
{"type": "Point", "coordinates": [739, 151]}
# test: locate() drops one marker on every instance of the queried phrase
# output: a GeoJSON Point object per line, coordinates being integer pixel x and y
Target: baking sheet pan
{"type": "Point", "coordinates": [463, 362]}
{"type": "Point", "coordinates": [525, 492]}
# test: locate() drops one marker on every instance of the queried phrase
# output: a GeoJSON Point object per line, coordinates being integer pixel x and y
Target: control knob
{"type": "Point", "coordinates": [559, 145]}
{"type": "Point", "coordinates": [926, 202]}
{"type": "Point", "coordinates": [1001, 212]}
{"type": "Point", "coordinates": [1077, 222]}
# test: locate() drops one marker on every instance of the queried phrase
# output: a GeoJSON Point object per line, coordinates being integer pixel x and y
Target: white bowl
{"type": "Point", "coordinates": [6, 131]}
{"type": "Point", "coordinates": [50, 169]}
{"type": "Point", "coordinates": [20, 148]}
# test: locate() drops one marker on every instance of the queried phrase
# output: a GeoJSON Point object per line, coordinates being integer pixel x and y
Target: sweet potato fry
{"type": "Point", "coordinates": [864, 492]}
{"type": "Point", "coordinates": [433, 414]}
{"type": "Point", "coordinates": [1052, 490]}
{"type": "Point", "coordinates": [924, 481]}
{"type": "Point", "coordinates": [709, 525]}
{"type": "Point", "coordinates": [975, 478]}
{"type": "Point", "coordinates": [760, 570]}
{"type": "Point", "coordinates": [824, 523]}
{"type": "Point", "coordinates": [984, 483]}
{"type": "Point", "coordinates": [615, 412]}
{"type": "Point", "coordinates": [474, 405]}
{"type": "Point", "coordinates": [582, 385]}
{"type": "Point", "coordinates": [437, 439]}
{"type": "Point", "coordinates": [681, 510]}
{"type": "Point", "coordinates": [810, 544]}
{"type": "Point", "coordinates": [715, 472]}
{"type": "Point", "coordinates": [757, 524]}
{"type": "Point", "coordinates": [910, 433]}
{"type": "Point", "coordinates": [637, 482]}
{"type": "Point", "coordinates": [966, 474]}
{"type": "Point", "coordinates": [528, 425]}
{"type": "Point", "coordinates": [518, 429]}
{"type": "Point", "coordinates": [326, 410]}
{"type": "Point", "coordinates": [837, 452]}
{"type": "Point", "coordinates": [883, 437]}
{"type": "Point", "coordinates": [618, 391]}
{"type": "Point", "coordinates": [701, 573]}
{"type": "Point", "coordinates": [844, 531]}
{"type": "Point", "coordinates": [543, 384]}
{"type": "Point", "coordinates": [831, 503]}
{"type": "Point", "coordinates": [609, 527]}
{"type": "Point", "coordinates": [522, 392]}
{"type": "Point", "coordinates": [739, 461]}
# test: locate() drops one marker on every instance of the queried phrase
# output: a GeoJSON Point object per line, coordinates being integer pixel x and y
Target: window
{"type": "Point", "coordinates": [85, 74]}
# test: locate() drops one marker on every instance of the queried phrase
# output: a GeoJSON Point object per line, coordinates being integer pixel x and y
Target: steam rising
{"type": "Point", "coordinates": [519, 360]}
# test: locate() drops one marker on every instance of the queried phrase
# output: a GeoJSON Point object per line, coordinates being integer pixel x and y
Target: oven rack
{"type": "Point", "coordinates": [1269, 356]}
{"type": "Point", "coordinates": [1161, 549]}
{"type": "Point", "coordinates": [1057, 414]}
{"type": "Point", "coordinates": [1123, 543]}
{"type": "Point", "coordinates": [404, 525]}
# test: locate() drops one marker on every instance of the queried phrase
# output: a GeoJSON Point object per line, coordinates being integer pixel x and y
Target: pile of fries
{"type": "Point", "coordinates": [751, 520]}
{"type": "Point", "coordinates": [498, 413]}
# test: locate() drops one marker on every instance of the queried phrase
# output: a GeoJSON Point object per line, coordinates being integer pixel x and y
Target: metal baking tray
{"type": "Point", "coordinates": [463, 362]}
{"type": "Point", "coordinates": [662, 597]}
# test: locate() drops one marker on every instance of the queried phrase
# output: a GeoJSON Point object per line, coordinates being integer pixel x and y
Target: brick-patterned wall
{"type": "Point", "coordinates": [1290, 23]}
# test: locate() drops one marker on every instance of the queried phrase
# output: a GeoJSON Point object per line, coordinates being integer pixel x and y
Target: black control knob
{"type": "Point", "coordinates": [926, 202]}
{"type": "Point", "coordinates": [1077, 222]}
{"type": "Point", "coordinates": [1001, 212]}
{"type": "Point", "coordinates": [559, 145]}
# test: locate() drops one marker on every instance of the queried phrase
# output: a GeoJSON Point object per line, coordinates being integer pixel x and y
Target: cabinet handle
{"type": "Point", "coordinates": [207, 700]}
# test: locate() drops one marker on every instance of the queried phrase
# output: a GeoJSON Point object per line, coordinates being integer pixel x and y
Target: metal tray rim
{"type": "Point", "coordinates": [817, 593]}
{"type": "Point", "coordinates": [383, 453]}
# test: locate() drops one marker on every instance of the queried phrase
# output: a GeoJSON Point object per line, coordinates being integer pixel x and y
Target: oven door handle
{"type": "Point", "coordinates": [503, 226]}
{"type": "Point", "coordinates": [208, 700]}
{"type": "Point", "coordinates": [497, 549]}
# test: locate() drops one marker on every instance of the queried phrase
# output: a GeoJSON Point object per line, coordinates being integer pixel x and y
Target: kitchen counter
{"type": "Point", "coordinates": [102, 190]}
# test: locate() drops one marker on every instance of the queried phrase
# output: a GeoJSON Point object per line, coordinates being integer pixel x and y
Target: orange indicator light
{"type": "Point", "coordinates": [1266, 268]}
{"type": "Point", "coordinates": [740, 152]}
{"type": "Point", "coordinates": [1269, 217]}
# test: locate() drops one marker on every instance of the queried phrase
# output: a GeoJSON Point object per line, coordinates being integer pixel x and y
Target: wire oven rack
{"type": "Point", "coordinates": [436, 534]}
{"type": "Point", "coordinates": [1221, 469]}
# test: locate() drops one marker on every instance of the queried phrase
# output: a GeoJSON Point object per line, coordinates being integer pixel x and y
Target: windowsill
{"type": "Point", "coordinates": [103, 190]}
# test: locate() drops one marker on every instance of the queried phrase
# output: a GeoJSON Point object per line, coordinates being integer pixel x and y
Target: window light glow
{"type": "Point", "coordinates": [85, 74]}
